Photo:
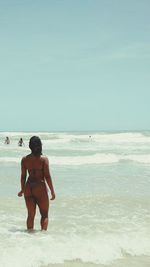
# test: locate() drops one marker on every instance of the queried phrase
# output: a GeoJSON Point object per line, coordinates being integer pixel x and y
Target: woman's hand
{"type": "Point", "coordinates": [53, 196]}
{"type": "Point", "coordinates": [20, 193]}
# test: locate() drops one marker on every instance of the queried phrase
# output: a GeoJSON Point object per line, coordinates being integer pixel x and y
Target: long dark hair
{"type": "Point", "coordinates": [35, 145]}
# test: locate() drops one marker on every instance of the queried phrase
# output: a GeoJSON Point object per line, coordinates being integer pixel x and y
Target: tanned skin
{"type": "Point", "coordinates": [38, 169]}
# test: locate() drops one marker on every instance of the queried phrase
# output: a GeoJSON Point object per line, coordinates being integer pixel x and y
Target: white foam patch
{"type": "Point", "coordinates": [10, 159]}
{"type": "Point", "coordinates": [85, 160]}
{"type": "Point", "coordinates": [74, 160]}
{"type": "Point", "coordinates": [39, 249]}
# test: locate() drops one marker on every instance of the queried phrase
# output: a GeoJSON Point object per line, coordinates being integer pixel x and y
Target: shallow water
{"type": "Point", "coordinates": [102, 211]}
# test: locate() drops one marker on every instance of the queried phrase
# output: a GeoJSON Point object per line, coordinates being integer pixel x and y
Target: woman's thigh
{"type": "Point", "coordinates": [41, 196]}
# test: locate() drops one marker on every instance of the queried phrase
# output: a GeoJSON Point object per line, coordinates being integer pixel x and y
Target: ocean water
{"type": "Point", "coordinates": [101, 215]}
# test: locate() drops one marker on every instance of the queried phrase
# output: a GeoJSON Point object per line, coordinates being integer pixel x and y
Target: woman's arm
{"type": "Point", "coordinates": [48, 177]}
{"type": "Point", "coordinates": [23, 177]}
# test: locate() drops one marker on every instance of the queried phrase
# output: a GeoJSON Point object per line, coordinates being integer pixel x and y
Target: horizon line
{"type": "Point", "coordinates": [63, 131]}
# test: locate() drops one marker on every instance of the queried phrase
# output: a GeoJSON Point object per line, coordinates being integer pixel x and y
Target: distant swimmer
{"type": "Point", "coordinates": [7, 140]}
{"type": "Point", "coordinates": [21, 143]}
{"type": "Point", "coordinates": [90, 136]}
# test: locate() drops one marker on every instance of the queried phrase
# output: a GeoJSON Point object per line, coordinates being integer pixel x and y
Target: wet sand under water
{"type": "Point", "coordinates": [129, 261]}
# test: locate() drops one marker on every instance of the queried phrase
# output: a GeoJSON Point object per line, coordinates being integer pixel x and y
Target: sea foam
{"type": "Point", "coordinates": [86, 160]}
{"type": "Point", "coordinates": [39, 249]}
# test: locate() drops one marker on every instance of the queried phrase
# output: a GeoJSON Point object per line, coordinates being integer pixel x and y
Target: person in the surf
{"type": "Point", "coordinates": [20, 143]}
{"type": "Point", "coordinates": [7, 140]}
{"type": "Point", "coordinates": [35, 189]}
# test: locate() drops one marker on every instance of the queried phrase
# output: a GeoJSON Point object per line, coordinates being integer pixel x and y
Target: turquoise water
{"type": "Point", "coordinates": [102, 211]}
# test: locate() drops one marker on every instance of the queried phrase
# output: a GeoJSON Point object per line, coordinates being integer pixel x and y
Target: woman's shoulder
{"type": "Point", "coordinates": [24, 158]}
{"type": "Point", "coordinates": [44, 158]}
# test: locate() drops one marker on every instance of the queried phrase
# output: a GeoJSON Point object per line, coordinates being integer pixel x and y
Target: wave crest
{"type": "Point", "coordinates": [85, 160]}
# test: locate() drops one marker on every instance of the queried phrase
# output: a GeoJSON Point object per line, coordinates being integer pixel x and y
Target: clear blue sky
{"type": "Point", "coordinates": [74, 65]}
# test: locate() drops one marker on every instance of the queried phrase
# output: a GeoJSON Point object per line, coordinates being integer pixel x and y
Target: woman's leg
{"type": "Point", "coordinates": [43, 207]}
{"type": "Point", "coordinates": [41, 196]}
{"type": "Point", "coordinates": [31, 207]}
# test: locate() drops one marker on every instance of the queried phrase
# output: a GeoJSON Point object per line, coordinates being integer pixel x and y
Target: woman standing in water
{"type": "Point", "coordinates": [34, 189]}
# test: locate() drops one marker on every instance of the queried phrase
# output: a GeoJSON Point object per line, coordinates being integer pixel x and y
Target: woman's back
{"type": "Point", "coordinates": [35, 166]}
